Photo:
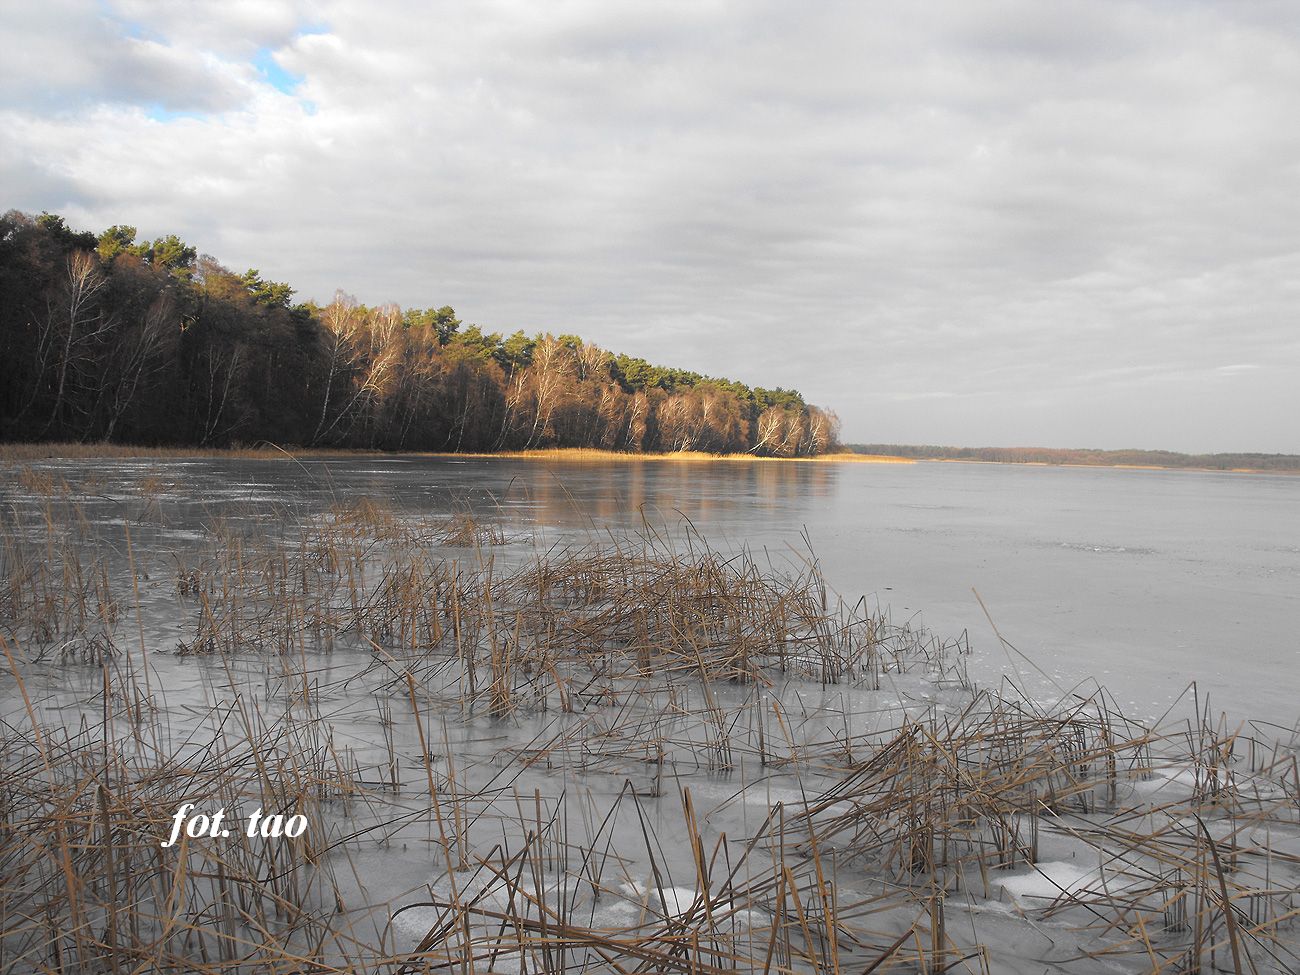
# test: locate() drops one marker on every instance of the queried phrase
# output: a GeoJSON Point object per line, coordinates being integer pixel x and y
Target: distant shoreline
{"type": "Point", "coordinates": [1281, 471]}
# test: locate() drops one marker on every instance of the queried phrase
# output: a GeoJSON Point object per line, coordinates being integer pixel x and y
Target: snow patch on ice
{"type": "Point", "coordinates": [1049, 880]}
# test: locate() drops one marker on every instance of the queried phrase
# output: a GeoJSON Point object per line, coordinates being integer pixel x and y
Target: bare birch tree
{"type": "Point", "coordinates": [73, 323]}
{"type": "Point", "coordinates": [343, 322]}
{"type": "Point", "coordinates": [136, 359]}
{"type": "Point", "coordinates": [550, 369]}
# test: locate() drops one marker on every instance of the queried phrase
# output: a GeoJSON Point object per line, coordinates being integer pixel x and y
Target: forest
{"type": "Point", "coordinates": [104, 338]}
{"type": "Point", "coordinates": [1087, 457]}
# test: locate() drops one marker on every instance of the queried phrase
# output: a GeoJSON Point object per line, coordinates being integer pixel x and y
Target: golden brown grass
{"type": "Point", "coordinates": [584, 454]}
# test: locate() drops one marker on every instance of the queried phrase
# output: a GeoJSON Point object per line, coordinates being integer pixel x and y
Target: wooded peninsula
{"type": "Point", "coordinates": [104, 338]}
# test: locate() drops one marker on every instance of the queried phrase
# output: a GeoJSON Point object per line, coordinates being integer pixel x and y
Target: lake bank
{"type": "Point", "coordinates": [27, 452]}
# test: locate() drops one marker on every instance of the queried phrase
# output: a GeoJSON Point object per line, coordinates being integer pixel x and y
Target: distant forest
{"type": "Point", "coordinates": [1095, 458]}
{"type": "Point", "coordinates": [106, 338]}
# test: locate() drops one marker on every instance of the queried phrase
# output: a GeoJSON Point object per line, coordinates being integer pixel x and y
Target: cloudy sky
{"type": "Point", "coordinates": [1024, 222]}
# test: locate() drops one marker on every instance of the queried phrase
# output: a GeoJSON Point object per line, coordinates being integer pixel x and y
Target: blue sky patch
{"type": "Point", "coordinates": [275, 75]}
{"type": "Point", "coordinates": [160, 113]}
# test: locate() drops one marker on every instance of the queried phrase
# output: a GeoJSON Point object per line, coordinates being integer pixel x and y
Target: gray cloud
{"type": "Point", "coordinates": [1004, 223]}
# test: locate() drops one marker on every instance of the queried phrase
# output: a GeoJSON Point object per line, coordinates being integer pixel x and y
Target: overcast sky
{"type": "Point", "coordinates": [1062, 224]}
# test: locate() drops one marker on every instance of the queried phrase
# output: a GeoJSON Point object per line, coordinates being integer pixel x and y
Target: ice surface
{"type": "Point", "coordinates": [1048, 881]}
{"type": "Point", "coordinates": [581, 755]}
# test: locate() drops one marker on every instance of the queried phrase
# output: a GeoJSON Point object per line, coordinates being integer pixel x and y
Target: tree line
{"type": "Point", "coordinates": [107, 338]}
{"type": "Point", "coordinates": [1087, 457]}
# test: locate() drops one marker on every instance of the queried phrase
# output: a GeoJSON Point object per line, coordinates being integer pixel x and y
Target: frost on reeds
{"type": "Point", "coordinates": [623, 757]}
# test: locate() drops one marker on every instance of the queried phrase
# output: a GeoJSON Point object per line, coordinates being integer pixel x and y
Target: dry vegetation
{"type": "Point", "coordinates": [589, 454]}
{"type": "Point", "coordinates": [629, 757]}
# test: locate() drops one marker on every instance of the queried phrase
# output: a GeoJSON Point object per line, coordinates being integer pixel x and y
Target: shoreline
{"type": "Point", "coordinates": [24, 453]}
{"type": "Point", "coordinates": [29, 452]}
{"type": "Point", "coordinates": [1283, 472]}
{"type": "Point", "coordinates": [579, 454]}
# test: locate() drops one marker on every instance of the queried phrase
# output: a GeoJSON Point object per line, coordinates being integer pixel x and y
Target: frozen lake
{"type": "Point", "coordinates": [1142, 580]}
{"type": "Point", "coordinates": [448, 709]}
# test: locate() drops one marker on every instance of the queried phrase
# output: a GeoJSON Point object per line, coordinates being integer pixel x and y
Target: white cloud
{"type": "Point", "coordinates": [947, 212]}
{"type": "Point", "coordinates": [227, 28]}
